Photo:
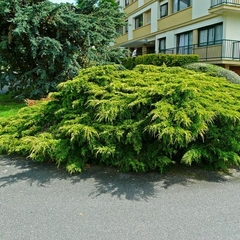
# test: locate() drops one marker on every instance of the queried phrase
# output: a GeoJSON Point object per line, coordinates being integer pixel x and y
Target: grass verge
{"type": "Point", "coordinates": [9, 106]}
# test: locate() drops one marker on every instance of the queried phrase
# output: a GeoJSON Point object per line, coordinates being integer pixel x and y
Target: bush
{"type": "Point", "coordinates": [170, 60]}
{"type": "Point", "coordinates": [139, 120]}
{"type": "Point", "coordinates": [214, 70]}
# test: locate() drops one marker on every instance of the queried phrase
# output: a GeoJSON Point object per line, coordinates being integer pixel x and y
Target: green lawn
{"type": "Point", "coordinates": [9, 106]}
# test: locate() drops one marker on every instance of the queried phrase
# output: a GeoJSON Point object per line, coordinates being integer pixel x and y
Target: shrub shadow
{"type": "Point", "coordinates": [106, 180]}
{"type": "Point", "coordinates": [14, 169]}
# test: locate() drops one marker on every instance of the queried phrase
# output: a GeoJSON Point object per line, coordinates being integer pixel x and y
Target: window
{"type": "Point", "coordinates": [162, 45]}
{"type": "Point", "coordinates": [184, 43]}
{"type": "Point", "coordinates": [148, 17]}
{"type": "Point", "coordinates": [180, 5]}
{"type": "Point", "coordinates": [138, 21]}
{"type": "Point", "coordinates": [126, 3]}
{"type": "Point", "coordinates": [164, 10]}
{"type": "Point", "coordinates": [120, 30]}
{"type": "Point", "coordinates": [210, 35]}
{"type": "Point", "coordinates": [150, 49]}
{"type": "Point", "coordinates": [126, 27]}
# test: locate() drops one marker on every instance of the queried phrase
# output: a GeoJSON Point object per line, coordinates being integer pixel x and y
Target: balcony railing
{"type": "Point", "coordinates": [223, 50]}
{"type": "Point", "coordinates": [215, 3]}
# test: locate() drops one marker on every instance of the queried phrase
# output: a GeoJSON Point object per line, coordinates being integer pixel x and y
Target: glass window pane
{"type": "Point", "coordinates": [180, 4]}
{"type": "Point", "coordinates": [162, 45]}
{"type": "Point", "coordinates": [203, 37]}
{"type": "Point", "coordinates": [148, 17]}
{"type": "Point", "coordinates": [164, 10]}
{"type": "Point", "coordinates": [183, 4]}
{"type": "Point", "coordinates": [218, 34]}
{"type": "Point", "coordinates": [139, 21]}
{"type": "Point", "coordinates": [175, 5]}
{"type": "Point", "coordinates": [184, 43]}
{"type": "Point", "coordinates": [186, 39]}
{"type": "Point", "coordinates": [181, 40]}
{"type": "Point", "coordinates": [211, 36]}
{"type": "Point", "coordinates": [190, 41]}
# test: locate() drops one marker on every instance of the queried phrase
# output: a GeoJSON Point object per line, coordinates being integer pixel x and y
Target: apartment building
{"type": "Point", "coordinates": [209, 28]}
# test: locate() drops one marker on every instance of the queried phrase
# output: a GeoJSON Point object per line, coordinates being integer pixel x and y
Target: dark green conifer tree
{"type": "Point", "coordinates": [43, 44]}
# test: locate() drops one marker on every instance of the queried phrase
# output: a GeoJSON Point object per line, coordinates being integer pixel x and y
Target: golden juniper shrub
{"type": "Point", "coordinates": [137, 120]}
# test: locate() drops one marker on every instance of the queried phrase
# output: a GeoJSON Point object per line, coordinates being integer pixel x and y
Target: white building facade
{"type": "Point", "coordinates": [209, 28]}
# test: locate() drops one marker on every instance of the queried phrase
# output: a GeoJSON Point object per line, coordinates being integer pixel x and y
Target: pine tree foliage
{"type": "Point", "coordinates": [139, 120]}
{"type": "Point", "coordinates": [43, 44]}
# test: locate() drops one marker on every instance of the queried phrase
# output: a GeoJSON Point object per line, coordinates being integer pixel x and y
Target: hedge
{"type": "Point", "coordinates": [169, 60]}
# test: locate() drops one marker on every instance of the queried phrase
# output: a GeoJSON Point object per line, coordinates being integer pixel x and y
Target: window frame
{"type": "Point", "coordinates": [177, 5]}
{"type": "Point", "coordinates": [148, 17]}
{"type": "Point", "coordinates": [182, 49]}
{"type": "Point", "coordinates": [140, 19]}
{"type": "Point", "coordinates": [160, 40]}
{"type": "Point", "coordinates": [119, 30]}
{"type": "Point", "coordinates": [161, 7]}
{"type": "Point", "coordinates": [208, 29]}
{"type": "Point", "coordinates": [126, 27]}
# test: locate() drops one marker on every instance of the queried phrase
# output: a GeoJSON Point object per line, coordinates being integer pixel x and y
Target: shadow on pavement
{"type": "Point", "coordinates": [14, 169]}
{"type": "Point", "coordinates": [106, 180]}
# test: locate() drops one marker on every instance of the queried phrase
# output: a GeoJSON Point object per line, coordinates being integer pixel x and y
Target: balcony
{"type": "Point", "coordinates": [225, 50]}
{"type": "Point", "coordinates": [121, 39]}
{"type": "Point", "coordinates": [131, 8]}
{"type": "Point", "coordinates": [170, 21]}
{"type": "Point", "coordinates": [221, 6]}
{"type": "Point", "coordinates": [141, 31]}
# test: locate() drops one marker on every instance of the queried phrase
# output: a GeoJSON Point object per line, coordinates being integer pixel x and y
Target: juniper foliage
{"type": "Point", "coordinates": [136, 120]}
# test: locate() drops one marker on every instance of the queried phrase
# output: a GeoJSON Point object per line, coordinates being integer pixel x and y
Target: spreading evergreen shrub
{"type": "Point", "coordinates": [139, 120]}
{"type": "Point", "coordinates": [214, 70]}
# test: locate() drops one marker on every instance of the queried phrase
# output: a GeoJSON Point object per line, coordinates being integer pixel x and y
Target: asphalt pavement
{"type": "Point", "coordinates": [41, 202]}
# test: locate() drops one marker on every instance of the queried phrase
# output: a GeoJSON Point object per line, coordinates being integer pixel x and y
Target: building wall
{"type": "Point", "coordinates": [235, 69]}
{"type": "Point", "coordinates": [171, 35]}
{"type": "Point", "coordinates": [154, 17]}
{"type": "Point", "coordinates": [231, 26]}
{"type": "Point", "coordinates": [175, 20]}
{"type": "Point", "coordinates": [200, 8]}
{"type": "Point", "coordinates": [159, 25]}
{"type": "Point", "coordinates": [198, 15]}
